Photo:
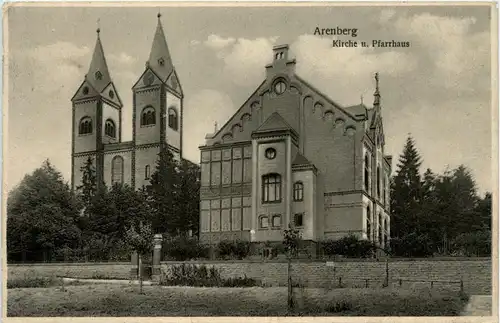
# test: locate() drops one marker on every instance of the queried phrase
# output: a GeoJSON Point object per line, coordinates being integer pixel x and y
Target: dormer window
{"type": "Point", "coordinates": [161, 61]}
{"type": "Point", "coordinates": [98, 75]}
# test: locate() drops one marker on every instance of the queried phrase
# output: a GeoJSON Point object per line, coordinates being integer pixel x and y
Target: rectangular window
{"type": "Point", "coordinates": [277, 221]}
{"type": "Point", "coordinates": [299, 219]}
{"type": "Point", "coordinates": [271, 188]}
{"type": "Point", "coordinates": [264, 222]}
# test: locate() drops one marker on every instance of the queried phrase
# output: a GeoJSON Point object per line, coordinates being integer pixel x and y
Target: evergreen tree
{"type": "Point", "coordinates": [188, 199]}
{"type": "Point", "coordinates": [162, 192]}
{"type": "Point", "coordinates": [406, 192]}
{"type": "Point", "coordinates": [88, 189]}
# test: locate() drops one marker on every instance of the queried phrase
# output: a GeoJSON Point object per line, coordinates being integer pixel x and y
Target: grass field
{"type": "Point", "coordinates": [123, 300]}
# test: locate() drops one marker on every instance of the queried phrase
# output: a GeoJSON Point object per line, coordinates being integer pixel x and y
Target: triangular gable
{"type": "Point", "coordinates": [80, 93]}
{"type": "Point", "coordinates": [156, 80]}
{"type": "Point", "coordinates": [173, 83]}
{"type": "Point", "coordinates": [115, 98]}
{"type": "Point", "coordinates": [274, 122]}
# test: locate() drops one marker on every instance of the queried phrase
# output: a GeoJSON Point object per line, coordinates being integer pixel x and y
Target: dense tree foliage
{"type": "Point", "coordinates": [42, 216]}
{"type": "Point", "coordinates": [438, 214]}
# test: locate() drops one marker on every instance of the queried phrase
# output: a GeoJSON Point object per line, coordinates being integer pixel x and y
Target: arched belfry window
{"type": "Point", "coordinates": [148, 116]}
{"type": "Point", "coordinates": [117, 170]}
{"type": "Point", "coordinates": [367, 173]}
{"type": "Point", "coordinates": [110, 129]}
{"type": "Point", "coordinates": [85, 126]}
{"type": "Point", "coordinates": [298, 191]}
{"type": "Point", "coordinates": [173, 120]}
{"type": "Point", "coordinates": [271, 188]}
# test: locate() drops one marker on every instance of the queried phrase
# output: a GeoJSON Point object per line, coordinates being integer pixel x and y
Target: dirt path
{"type": "Point", "coordinates": [479, 305]}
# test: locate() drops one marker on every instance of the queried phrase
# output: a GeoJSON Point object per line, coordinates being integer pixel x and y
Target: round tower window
{"type": "Point", "coordinates": [85, 90]}
{"type": "Point", "coordinates": [111, 94]}
{"type": "Point", "coordinates": [270, 153]}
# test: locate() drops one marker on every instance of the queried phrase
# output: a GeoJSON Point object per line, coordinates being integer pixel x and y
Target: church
{"type": "Point", "coordinates": [97, 119]}
{"type": "Point", "coordinates": [290, 156]}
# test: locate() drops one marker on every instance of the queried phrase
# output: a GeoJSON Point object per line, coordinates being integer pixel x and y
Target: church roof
{"type": "Point", "coordinates": [160, 60]}
{"type": "Point", "coordinates": [98, 75]}
{"type": "Point", "coordinates": [301, 160]}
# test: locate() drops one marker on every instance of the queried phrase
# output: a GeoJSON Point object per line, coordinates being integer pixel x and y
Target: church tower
{"type": "Point", "coordinates": [97, 114]}
{"type": "Point", "coordinates": [157, 111]}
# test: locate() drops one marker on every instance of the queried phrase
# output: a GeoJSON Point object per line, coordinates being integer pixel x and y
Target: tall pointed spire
{"type": "Point", "coordinates": [376, 95]}
{"type": "Point", "coordinates": [159, 58]}
{"type": "Point", "coordinates": [98, 74]}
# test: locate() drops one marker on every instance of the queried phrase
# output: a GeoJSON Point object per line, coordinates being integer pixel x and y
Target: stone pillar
{"type": "Point", "coordinates": [157, 256]}
{"type": "Point", "coordinates": [134, 261]}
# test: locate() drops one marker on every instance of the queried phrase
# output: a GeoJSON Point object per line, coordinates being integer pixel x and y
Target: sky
{"type": "Point", "coordinates": [438, 89]}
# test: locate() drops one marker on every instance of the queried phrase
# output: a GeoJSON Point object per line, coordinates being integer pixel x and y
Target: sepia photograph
{"type": "Point", "coordinates": [178, 159]}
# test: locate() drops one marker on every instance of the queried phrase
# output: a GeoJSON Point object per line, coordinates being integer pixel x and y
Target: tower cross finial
{"type": "Point", "coordinates": [361, 98]}
{"type": "Point", "coordinates": [159, 14]}
{"type": "Point", "coordinates": [98, 25]}
{"type": "Point", "coordinates": [376, 95]}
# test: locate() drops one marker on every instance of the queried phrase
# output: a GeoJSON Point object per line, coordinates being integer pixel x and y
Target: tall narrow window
{"type": "Point", "coordinates": [173, 121]}
{"type": "Point", "coordinates": [298, 191]}
{"type": "Point", "coordinates": [380, 228]}
{"type": "Point", "coordinates": [85, 126]}
{"type": "Point", "coordinates": [299, 219]}
{"type": "Point", "coordinates": [147, 172]}
{"type": "Point", "coordinates": [117, 170]}
{"type": "Point", "coordinates": [368, 223]}
{"type": "Point", "coordinates": [271, 188]}
{"type": "Point", "coordinates": [367, 173]}
{"type": "Point", "coordinates": [378, 181]}
{"type": "Point", "coordinates": [109, 128]}
{"type": "Point", "coordinates": [148, 116]}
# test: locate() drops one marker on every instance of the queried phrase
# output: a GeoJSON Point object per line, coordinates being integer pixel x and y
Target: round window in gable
{"type": "Point", "coordinates": [111, 94]}
{"type": "Point", "coordinates": [270, 153]}
{"type": "Point", "coordinates": [280, 87]}
{"type": "Point", "coordinates": [85, 90]}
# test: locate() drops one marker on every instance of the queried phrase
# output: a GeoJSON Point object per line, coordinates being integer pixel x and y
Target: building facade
{"type": "Point", "coordinates": [292, 156]}
{"type": "Point", "coordinates": [97, 119]}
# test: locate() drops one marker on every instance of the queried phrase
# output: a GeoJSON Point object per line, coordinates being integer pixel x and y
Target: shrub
{"type": "Point", "coordinates": [338, 307]}
{"type": "Point", "coordinates": [33, 282]}
{"type": "Point", "coordinates": [349, 246]}
{"type": "Point", "coordinates": [201, 276]}
{"type": "Point", "coordinates": [182, 248]}
{"type": "Point", "coordinates": [238, 249]}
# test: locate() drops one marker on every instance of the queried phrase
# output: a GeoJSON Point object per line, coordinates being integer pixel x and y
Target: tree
{"type": "Point", "coordinates": [406, 192]}
{"type": "Point", "coordinates": [141, 241]}
{"type": "Point", "coordinates": [162, 192]}
{"type": "Point", "coordinates": [291, 240]}
{"type": "Point", "coordinates": [42, 215]}
{"type": "Point", "coordinates": [188, 199]}
{"type": "Point", "coordinates": [88, 189]}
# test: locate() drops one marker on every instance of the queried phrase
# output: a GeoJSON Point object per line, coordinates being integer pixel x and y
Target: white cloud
{"type": "Point", "coordinates": [201, 111]}
{"type": "Point", "coordinates": [217, 42]}
{"type": "Point", "coordinates": [244, 59]}
{"type": "Point", "coordinates": [346, 73]}
{"type": "Point", "coordinates": [122, 58]}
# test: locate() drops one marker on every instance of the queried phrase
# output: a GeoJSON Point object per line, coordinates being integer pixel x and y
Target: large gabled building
{"type": "Point", "coordinates": [292, 156]}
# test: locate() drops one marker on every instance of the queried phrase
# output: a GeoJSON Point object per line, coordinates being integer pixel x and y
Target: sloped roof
{"type": "Point", "coordinates": [301, 160]}
{"type": "Point", "coordinates": [159, 58]}
{"type": "Point", "coordinates": [98, 75]}
{"type": "Point", "coordinates": [274, 122]}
